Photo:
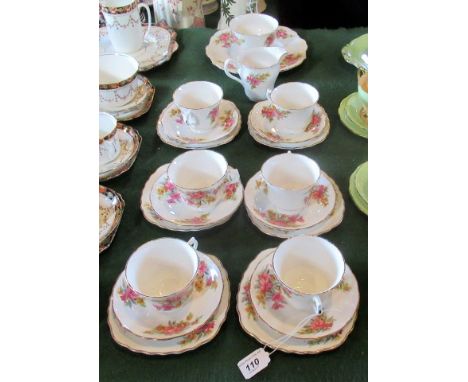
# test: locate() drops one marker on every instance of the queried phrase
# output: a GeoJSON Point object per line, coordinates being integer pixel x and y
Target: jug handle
{"type": "Point", "coordinates": [228, 73]}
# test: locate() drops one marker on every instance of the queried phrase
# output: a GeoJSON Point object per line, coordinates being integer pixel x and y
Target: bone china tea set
{"type": "Point", "coordinates": [300, 297]}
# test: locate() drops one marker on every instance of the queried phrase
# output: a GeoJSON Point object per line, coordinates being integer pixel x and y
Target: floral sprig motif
{"type": "Point", "coordinates": [247, 300]}
{"type": "Point", "coordinates": [271, 113]}
{"type": "Point", "coordinates": [204, 278]}
{"type": "Point", "coordinates": [200, 198]}
{"type": "Point", "coordinates": [175, 113]}
{"type": "Point", "coordinates": [343, 286]}
{"type": "Point", "coordinates": [281, 33]}
{"type": "Point", "coordinates": [268, 289]}
{"type": "Point", "coordinates": [202, 219]}
{"type": "Point", "coordinates": [172, 302]}
{"type": "Point", "coordinates": [290, 59]}
{"type": "Point", "coordinates": [230, 191]}
{"type": "Point", "coordinates": [319, 194]}
{"type": "Point", "coordinates": [213, 114]}
{"type": "Point", "coordinates": [279, 219]}
{"type": "Point", "coordinates": [261, 184]}
{"type": "Point", "coordinates": [198, 333]}
{"type": "Point", "coordinates": [226, 39]}
{"type": "Point", "coordinates": [227, 119]}
{"type": "Point", "coordinates": [318, 324]}
{"type": "Point", "coordinates": [174, 327]}
{"type": "Point", "coordinates": [130, 297]}
{"type": "Point", "coordinates": [324, 340]}
{"type": "Point", "coordinates": [256, 80]}
{"type": "Point", "coordinates": [168, 191]}
{"type": "Point", "coordinates": [314, 123]}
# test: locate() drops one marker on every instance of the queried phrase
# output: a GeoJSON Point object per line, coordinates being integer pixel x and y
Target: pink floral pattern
{"type": "Point", "coordinates": [268, 289]}
{"type": "Point", "coordinates": [281, 33]}
{"type": "Point", "coordinates": [130, 297]}
{"type": "Point", "coordinates": [319, 194]}
{"type": "Point", "coordinates": [204, 278]}
{"type": "Point", "coordinates": [290, 59]}
{"type": "Point", "coordinates": [318, 324]}
{"type": "Point", "coordinates": [168, 191]}
{"type": "Point", "coordinates": [175, 113]}
{"type": "Point", "coordinates": [198, 333]}
{"type": "Point", "coordinates": [227, 39]}
{"type": "Point", "coordinates": [227, 119]}
{"type": "Point", "coordinates": [256, 80]}
{"type": "Point", "coordinates": [174, 327]}
{"type": "Point", "coordinates": [271, 112]}
{"type": "Point", "coordinates": [230, 191]}
{"type": "Point", "coordinates": [247, 300]}
{"type": "Point", "coordinates": [314, 123]}
{"type": "Point", "coordinates": [324, 340]}
{"type": "Point", "coordinates": [213, 114]}
{"type": "Point", "coordinates": [281, 220]}
{"type": "Point", "coordinates": [197, 220]}
{"type": "Point", "coordinates": [173, 302]}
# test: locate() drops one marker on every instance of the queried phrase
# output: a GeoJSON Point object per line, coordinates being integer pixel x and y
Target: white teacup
{"type": "Point", "coordinates": [252, 30]}
{"type": "Point", "coordinates": [198, 102]}
{"type": "Point", "coordinates": [308, 267]}
{"type": "Point", "coordinates": [198, 176]}
{"type": "Point", "coordinates": [117, 79]}
{"type": "Point", "coordinates": [293, 104]}
{"type": "Point", "coordinates": [258, 69]}
{"type": "Point", "coordinates": [162, 272]}
{"type": "Point", "coordinates": [109, 148]}
{"type": "Point", "coordinates": [289, 178]}
{"type": "Point", "coordinates": [123, 24]}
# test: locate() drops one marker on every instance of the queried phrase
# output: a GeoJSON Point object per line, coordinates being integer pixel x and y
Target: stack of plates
{"type": "Point", "coordinates": [111, 206]}
{"type": "Point", "coordinates": [358, 187]}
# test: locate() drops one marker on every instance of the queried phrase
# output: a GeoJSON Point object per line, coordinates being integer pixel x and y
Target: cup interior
{"type": "Point", "coordinates": [197, 169]}
{"type": "Point", "coordinates": [115, 3]}
{"type": "Point", "coordinates": [107, 124]}
{"type": "Point", "coordinates": [161, 267]}
{"type": "Point", "coordinates": [291, 171]}
{"type": "Point", "coordinates": [114, 68]}
{"type": "Point", "coordinates": [198, 95]}
{"type": "Point", "coordinates": [253, 24]}
{"type": "Point", "coordinates": [295, 95]}
{"type": "Point", "coordinates": [308, 265]}
{"type": "Point", "coordinates": [258, 58]}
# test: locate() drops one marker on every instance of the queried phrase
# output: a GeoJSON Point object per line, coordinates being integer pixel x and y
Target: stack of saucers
{"type": "Point", "coordinates": [199, 117]}
{"type": "Point", "coordinates": [358, 187]}
{"type": "Point", "coordinates": [123, 92]}
{"type": "Point", "coordinates": [285, 203]}
{"type": "Point", "coordinates": [284, 286]}
{"type": "Point", "coordinates": [170, 298]}
{"type": "Point", "coordinates": [111, 206]}
{"type": "Point", "coordinates": [198, 190]}
{"type": "Point", "coordinates": [290, 119]}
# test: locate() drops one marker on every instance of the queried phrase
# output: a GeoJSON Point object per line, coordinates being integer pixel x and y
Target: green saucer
{"type": "Point", "coordinates": [349, 109]}
{"type": "Point", "coordinates": [357, 199]}
{"type": "Point", "coordinates": [362, 181]}
{"type": "Point", "coordinates": [352, 52]}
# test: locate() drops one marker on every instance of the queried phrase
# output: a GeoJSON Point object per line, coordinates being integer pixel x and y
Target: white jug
{"type": "Point", "coordinates": [180, 13]}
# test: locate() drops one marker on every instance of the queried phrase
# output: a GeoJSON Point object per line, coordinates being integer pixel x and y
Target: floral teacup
{"type": "Point", "coordinates": [117, 79]}
{"type": "Point", "coordinates": [258, 69]}
{"type": "Point", "coordinates": [198, 102]}
{"type": "Point", "coordinates": [123, 24]}
{"type": "Point", "coordinates": [162, 272]}
{"type": "Point", "coordinates": [197, 177]}
{"type": "Point", "coordinates": [290, 179]}
{"type": "Point", "coordinates": [292, 106]}
{"type": "Point", "coordinates": [308, 268]}
{"type": "Point", "coordinates": [108, 146]}
{"type": "Point", "coordinates": [252, 30]}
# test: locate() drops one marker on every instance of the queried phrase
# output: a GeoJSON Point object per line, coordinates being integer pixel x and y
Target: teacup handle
{"type": "Point", "coordinates": [193, 243]}
{"type": "Point", "coordinates": [148, 12]}
{"type": "Point", "coordinates": [233, 175]}
{"type": "Point", "coordinates": [318, 305]}
{"type": "Point", "coordinates": [189, 119]}
{"type": "Point", "coordinates": [228, 73]}
{"type": "Point", "coordinates": [268, 94]}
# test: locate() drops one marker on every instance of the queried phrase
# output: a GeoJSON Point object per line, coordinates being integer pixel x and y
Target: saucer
{"type": "Point", "coordinates": [138, 106]}
{"type": "Point", "coordinates": [264, 133]}
{"type": "Point", "coordinates": [333, 220]}
{"type": "Point", "coordinates": [349, 112]}
{"type": "Point", "coordinates": [158, 46]}
{"type": "Point", "coordinates": [353, 51]}
{"type": "Point", "coordinates": [172, 130]}
{"type": "Point", "coordinates": [320, 205]}
{"type": "Point", "coordinates": [165, 322]}
{"type": "Point", "coordinates": [190, 341]}
{"type": "Point", "coordinates": [157, 212]}
{"type": "Point", "coordinates": [257, 329]}
{"type": "Point", "coordinates": [130, 142]}
{"type": "Point", "coordinates": [111, 207]}
{"type": "Point", "coordinates": [358, 196]}
{"type": "Point", "coordinates": [272, 306]}
{"type": "Point", "coordinates": [218, 48]}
